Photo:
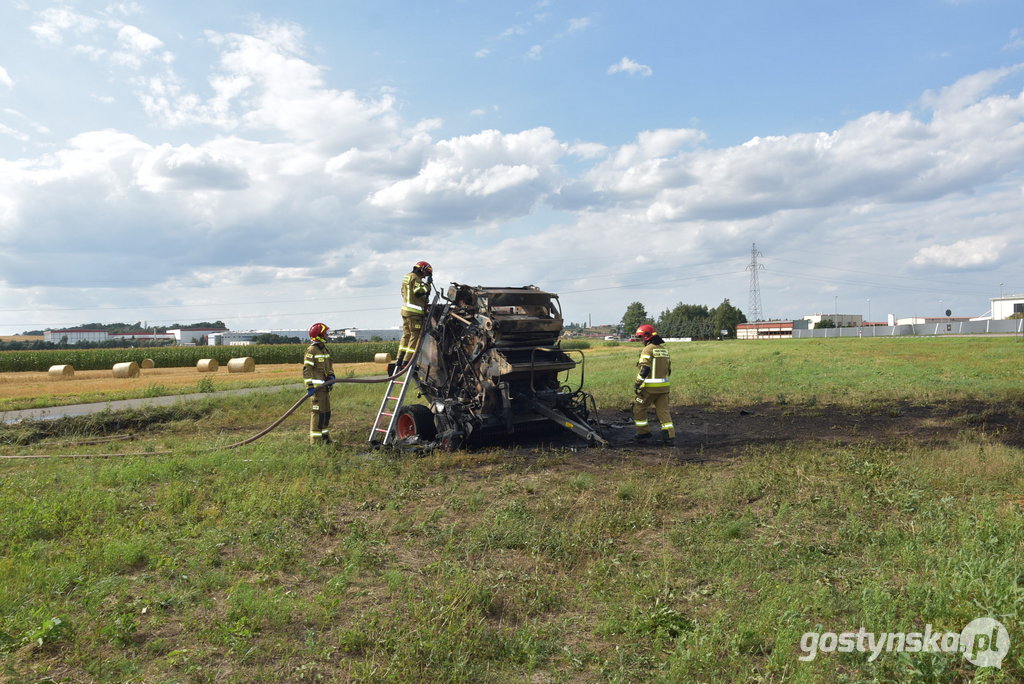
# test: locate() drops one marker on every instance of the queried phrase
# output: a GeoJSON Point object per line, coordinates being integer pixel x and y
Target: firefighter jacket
{"type": "Point", "coordinates": [316, 365]}
{"type": "Point", "coordinates": [414, 295]}
{"type": "Point", "coordinates": [655, 359]}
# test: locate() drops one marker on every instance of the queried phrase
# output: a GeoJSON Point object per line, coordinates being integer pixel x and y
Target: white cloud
{"type": "Point", "coordinates": [5, 78]}
{"type": "Point", "coordinates": [124, 8]}
{"type": "Point", "coordinates": [483, 52]}
{"type": "Point", "coordinates": [535, 52]}
{"type": "Point", "coordinates": [482, 177]}
{"type": "Point", "coordinates": [971, 253]}
{"type": "Point", "coordinates": [579, 24]}
{"type": "Point", "coordinates": [56, 21]}
{"type": "Point", "coordinates": [1016, 41]}
{"type": "Point", "coordinates": [967, 90]}
{"type": "Point", "coordinates": [628, 66]}
{"type": "Point", "coordinates": [13, 133]}
{"type": "Point", "coordinates": [138, 41]}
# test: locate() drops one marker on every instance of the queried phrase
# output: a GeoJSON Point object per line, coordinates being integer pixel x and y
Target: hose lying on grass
{"type": "Point", "coordinates": [262, 433]}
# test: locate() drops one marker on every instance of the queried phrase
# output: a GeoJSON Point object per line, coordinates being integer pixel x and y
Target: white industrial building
{"type": "Point", "coordinates": [192, 336]}
{"type": "Point", "coordinates": [387, 335]}
{"type": "Point", "coordinates": [73, 335]}
{"type": "Point", "coordinates": [237, 338]}
{"type": "Point", "coordinates": [840, 320]}
{"type": "Point", "coordinates": [1005, 307]}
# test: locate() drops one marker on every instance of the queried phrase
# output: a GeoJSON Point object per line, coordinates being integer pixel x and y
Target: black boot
{"type": "Point", "coordinates": [325, 419]}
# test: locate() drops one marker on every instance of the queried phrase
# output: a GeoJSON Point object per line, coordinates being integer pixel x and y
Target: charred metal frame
{"type": "Point", "coordinates": [490, 361]}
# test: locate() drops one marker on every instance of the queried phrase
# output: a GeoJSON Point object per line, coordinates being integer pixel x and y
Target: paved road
{"type": "Point", "coordinates": [122, 404]}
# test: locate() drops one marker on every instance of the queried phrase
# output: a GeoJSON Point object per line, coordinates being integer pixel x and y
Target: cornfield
{"type": "Point", "coordinates": [179, 357]}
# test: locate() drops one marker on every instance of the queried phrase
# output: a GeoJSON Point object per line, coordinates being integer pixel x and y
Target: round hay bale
{"type": "Point", "coordinates": [128, 369]}
{"type": "Point", "coordinates": [242, 364]}
{"type": "Point", "coordinates": [147, 363]}
{"type": "Point", "coordinates": [61, 372]}
{"type": "Point", "coordinates": [207, 365]}
{"type": "Point", "coordinates": [382, 357]}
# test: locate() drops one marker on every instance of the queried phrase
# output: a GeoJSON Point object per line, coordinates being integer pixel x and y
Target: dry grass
{"type": "Point", "coordinates": [98, 385]}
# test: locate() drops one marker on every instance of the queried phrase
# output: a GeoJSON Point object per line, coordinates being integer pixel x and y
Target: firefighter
{"type": "Point", "coordinates": [652, 386]}
{"type": "Point", "coordinates": [317, 371]}
{"type": "Point", "coordinates": [415, 291]}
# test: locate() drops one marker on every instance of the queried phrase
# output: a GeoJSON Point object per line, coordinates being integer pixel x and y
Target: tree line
{"type": "Point", "coordinates": [136, 327]}
{"type": "Point", "coordinates": [696, 321]}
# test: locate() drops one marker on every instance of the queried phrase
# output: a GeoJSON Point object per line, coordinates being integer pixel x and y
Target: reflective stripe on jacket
{"type": "Point", "coordinates": [316, 365]}
{"type": "Point", "coordinates": [655, 357]}
{"type": "Point", "coordinates": [414, 294]}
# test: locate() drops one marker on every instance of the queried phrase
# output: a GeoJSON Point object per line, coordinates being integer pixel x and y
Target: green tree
{"type": "Point", "coordinates": [685, 320]}
{"type": "Point", "coordinates": [273, 338]}
{"type": "Point", "coordinates": [727, 317]}
{"type": "Point", "coordinates": [635, 316]}
{"type": "Point", "coordinates": [825, 323]}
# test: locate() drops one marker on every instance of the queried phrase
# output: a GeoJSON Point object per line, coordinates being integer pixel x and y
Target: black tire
{"type": "Point", "coordinates": [415, 420]}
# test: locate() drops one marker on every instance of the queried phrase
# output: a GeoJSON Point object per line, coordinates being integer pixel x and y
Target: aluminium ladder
{"type": "Point", "coordinates": [402, 379]}
{"type": "Point", "coordinates": [387, 414]}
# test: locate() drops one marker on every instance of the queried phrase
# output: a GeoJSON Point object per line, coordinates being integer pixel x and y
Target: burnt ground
{"type": "Point", "coordinates": [711, 433]}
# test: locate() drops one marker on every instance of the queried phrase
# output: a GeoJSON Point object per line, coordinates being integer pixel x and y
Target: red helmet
{"type": "Point", "coordinates": [425, 268]}
{"type": "Point", "coordinates": [646, 332]}
{"type": "Point", "coordinates": [318, 331]}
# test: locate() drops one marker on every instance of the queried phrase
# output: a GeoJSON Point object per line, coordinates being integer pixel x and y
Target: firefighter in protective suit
{"type": "Point", "coordinates": [317, 371]}
{"type": "Point", "coordinates": [652, 386]}
{"type": "Point", "coordinates": [415, 292]}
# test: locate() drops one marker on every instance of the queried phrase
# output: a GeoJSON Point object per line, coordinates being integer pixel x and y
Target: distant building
{"type": "Point", "coordinates": [194, 335]}
{"type": "Point", "coordinates": [770, 330]}
{"type": "Point", "coordinates": [74, 335]}
{"type": "Point", "coordinates": [840, 320]}
{"type": "Point", "coordinates": [924, 320]}
{"type": "Point", "coordinates": [235, 338]}
{"type": "Point", "coordinates": [1005, 307]}
{"type": "Point", "coordinates": [388, 334]}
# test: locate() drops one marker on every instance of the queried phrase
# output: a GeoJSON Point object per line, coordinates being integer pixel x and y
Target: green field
{"type": "Point", "coordinates": [881, 490]}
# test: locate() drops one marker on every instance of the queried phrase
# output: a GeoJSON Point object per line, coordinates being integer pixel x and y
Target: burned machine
{"type": "Point", "coordinates": [490, 363]}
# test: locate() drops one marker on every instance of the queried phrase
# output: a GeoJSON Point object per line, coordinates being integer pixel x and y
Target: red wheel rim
{"type": "Point", "coordinates": [406, 426]}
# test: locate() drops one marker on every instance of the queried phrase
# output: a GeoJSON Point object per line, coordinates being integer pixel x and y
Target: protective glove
{"type": "Point", "coordinates": [310, 391]}
{"type": "Point", "coordinates": [330, 378]}
{"type": "Point", "coordinates": [636, 387]}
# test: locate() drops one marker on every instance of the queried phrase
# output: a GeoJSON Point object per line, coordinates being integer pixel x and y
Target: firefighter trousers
{"type": "Point", "coordinates": [412, 327]}
{"type": "Point", "coordinates": [645, 399]}
{"type": "Point", "coordinates": [320, 417]}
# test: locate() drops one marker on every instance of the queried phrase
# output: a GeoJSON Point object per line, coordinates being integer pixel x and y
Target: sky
{"type": "Point", "coordinates": [274, 165]}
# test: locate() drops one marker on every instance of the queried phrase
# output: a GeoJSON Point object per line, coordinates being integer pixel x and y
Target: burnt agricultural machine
{"type": "Point", "coordinates": [490, 363]}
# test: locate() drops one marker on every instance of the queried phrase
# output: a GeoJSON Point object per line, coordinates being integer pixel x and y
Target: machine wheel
{"type": "Point", "coordinates": [415, 420]}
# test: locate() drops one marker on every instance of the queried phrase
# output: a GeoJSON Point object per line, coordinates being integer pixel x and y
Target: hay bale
{"type": "Point", "coordinates": [207, 365]}
{"type": "Point", "coordinates": [382, 357]}
{"type": "Point", "coordinates": [147, 363]}
{"type": "Point", "coordinates": [242, 364]}
{"type": "Point", "coordinates": [61, 372]}
{"type": "Point", "coordinates": [128, 369]}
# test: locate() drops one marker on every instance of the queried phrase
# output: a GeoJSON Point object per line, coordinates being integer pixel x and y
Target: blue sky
{"type": "Point", "coordinates": [272, 165]}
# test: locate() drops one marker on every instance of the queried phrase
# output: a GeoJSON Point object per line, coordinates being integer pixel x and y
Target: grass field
{"type": "Point", "coordinates": [880, 488]}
